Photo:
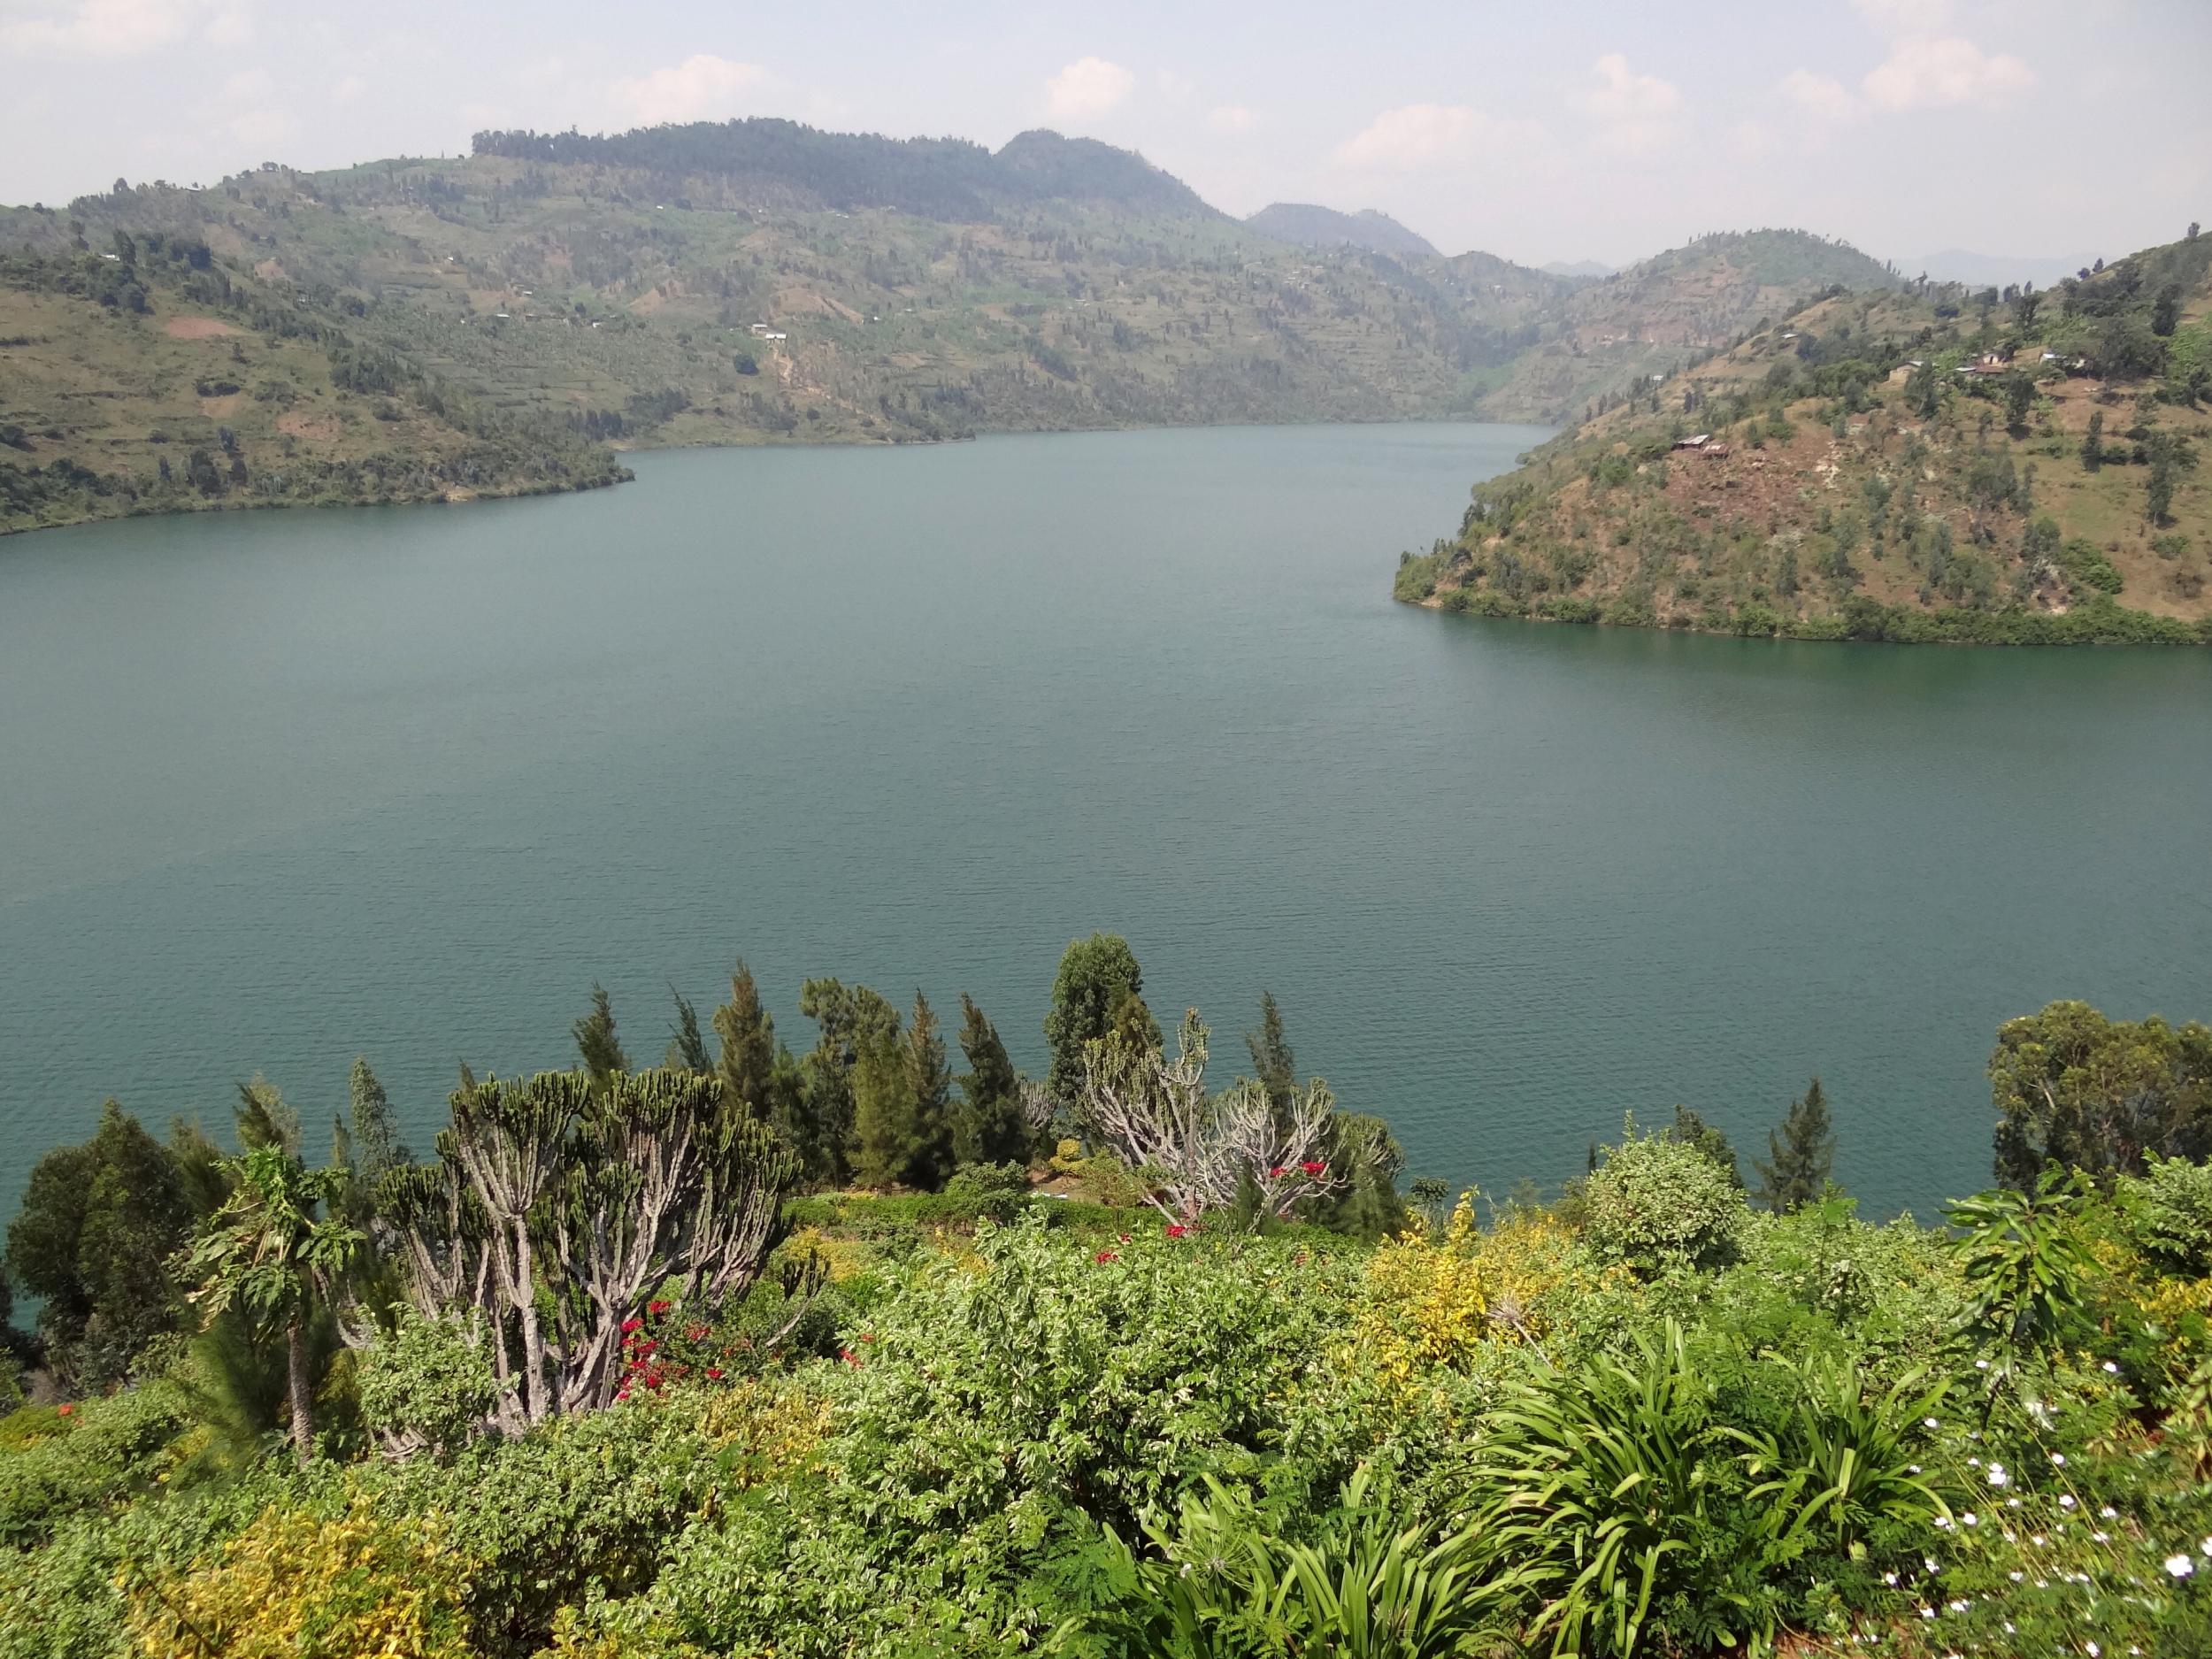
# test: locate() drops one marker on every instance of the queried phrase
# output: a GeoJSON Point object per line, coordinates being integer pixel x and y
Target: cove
{"type": "Point", "coordinates": [282, 789]}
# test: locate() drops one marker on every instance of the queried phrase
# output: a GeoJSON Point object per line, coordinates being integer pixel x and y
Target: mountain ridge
{"type": "Point", "coordinates": [763, 281]}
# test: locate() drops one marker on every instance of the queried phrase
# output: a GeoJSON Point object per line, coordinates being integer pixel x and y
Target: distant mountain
{"type": "Point", "coordinates": [1307, 226]}
{"type": "Point", "coordinates": [1660, 315]}
{"type": "Point", "coordinates": [1578, 268]}
{"type": "Point", "coordinates": [785, 164]}
{"type": "Point", "coordinates": [1999, 270]}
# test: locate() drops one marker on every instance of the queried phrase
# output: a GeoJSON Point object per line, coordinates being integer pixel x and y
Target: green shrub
{"type": "Point", "coordinates": [428, 1385]}
{"type": "Point", "coordinates": [101, 1453]}
{"type": "Point", "coordinates": [2170, 1207]}
{"type": "Point", "coordinates": [1660, 1205]}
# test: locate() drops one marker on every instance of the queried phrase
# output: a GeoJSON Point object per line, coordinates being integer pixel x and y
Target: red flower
{"type": "Point", "coordinates": [1125, 1238]}
{"type": "Point", "coordinates": [64, 1411]}
{"type": "Point", "coordinates": [647, 1346]}
{"type": "Point", "coordinates": [1314, 1167]}
{"type": "Point", "coordinates": [695, 1333]}
{"type": "Point", "coordinates": [1176, 1229]}
{"type": "Point", "coordinates": [656, 1307]}
{"type": "Point", "coordinates": [631, 1324]}
{"type": "Point", "coordinates": [1106, 1255]}
{"type": "Point", "coordinates": [1275, 1174]}
{"type": "Point", "coordinates": [714, 1373]}
{"type": "Point", "coordinates": [849, 1356]}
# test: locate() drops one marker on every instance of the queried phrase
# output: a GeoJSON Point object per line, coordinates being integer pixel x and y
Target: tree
{"type": "Point", "coordinates": [2171, 456]}
{"type": "Point", "coordinates": [2019, 398]}
{"type": "Point", "coordinates": [94, 1239]}
{"type": "Point", "coordinates": [2093, 442]}
{"type": "Point", "coordinates": [1800, 1156]}
{"type": "Point", "coordinates": [887, 1119]}
{"type": "Point", "coordinates": [1691, 1130]}
{"type": "Point", "coordinates": [367, 1142]}
{"type": "Point", "coordinates": [990, 1125]}
{"type": "Point", "coordinates": [2076, 1089]}
{"type": "Point", "coordinates": [748, 1036]}
{"type": "Point", "coordinates": [852, 1018]}
{"type": "Point", "coordinates": [929, 1078]}
{"type": "Point", "coordinates": [269, 1257]}
{"type": "Point", "coordinates": [2026, 305]}
{"type": "Point", "coordinates": [1098, 979]}
{"type": "Point", "coordinates": [2166, 310]}
{"type": "Point", "coordinates": [1271, 1059]}
{"type": "Point", "coordinates": [597, 1043]}
{"type": "Point", "coordinates": [1204, 1152]}
{"type": "Point", "coordinates": [686, 1043]}
{"type": "Point", "coordinates": [556, 1210]}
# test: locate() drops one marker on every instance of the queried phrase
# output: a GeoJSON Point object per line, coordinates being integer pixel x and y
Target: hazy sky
{"type": "Point", "coordinates": [1559, 129]}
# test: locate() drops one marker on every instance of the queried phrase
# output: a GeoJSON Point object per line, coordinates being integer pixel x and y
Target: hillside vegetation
{"type": "Point", "coordinates": [1931, 464]}
{"type": "Point", "coordinates": [760, 282]}
{"type": "Point", "coordinates": [1152, 1368]}
{"type": "Point", "coordinates": [1312, 227]}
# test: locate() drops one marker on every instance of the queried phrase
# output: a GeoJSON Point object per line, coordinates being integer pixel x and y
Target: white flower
{"type": "Point", "coordinates": [1927, 1612]}
{"type": "Point", "coordinates": [1997, 1476]}
{"type": "Point", "coordinates": [2017, 1576]}
{"type": "Point", "coordinates": [1889, 1577]}
{"type": "Point", "coordinates": [2065, 1500]}
{"type": "Point", "coordinates": [1943, 1524]}
{"type": "Point", "coordinates": [2109, 1366]}
{"type": "Point", "coordinates": [2058, 1459]}
{"type": "Point", "coordinates": [1971, 1519]}
{"type": "Point", "coordinates": [1929, 1562]}
{"type": "Point", "coordinates": [2101, 1538]}
{"type": "Point", "coordinates": [2179, 1566]}
{"type": "Point", "coordinates": [2111, 1514]}
{"type": "Point", "coordinates": [1959, 1606]}
{"type": "Point", "coordinates": [2205, 1549]}
{"type": "Point", "coordinates": [1932, 1423]}
{"type": "Point", "coordinates": [2091, 1649]}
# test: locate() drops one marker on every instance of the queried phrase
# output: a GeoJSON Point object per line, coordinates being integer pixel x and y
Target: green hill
{"type": "Point", "coordinates": [762, 281]}
{"type": "Point", "coordinates": [1923, 464]}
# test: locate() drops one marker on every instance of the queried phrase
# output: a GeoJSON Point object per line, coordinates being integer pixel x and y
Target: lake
{"type": "Point", "coordinates": [281, 788]}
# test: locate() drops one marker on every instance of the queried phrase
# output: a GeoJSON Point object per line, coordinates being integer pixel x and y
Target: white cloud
{"type": "Point", "coordinates": [1177, 88]}
{"type": "Point", "coordinates": [1231, 117]}
{"type": "Point", "coordinates": [1427, 134]}
{"type": "Point", "coordinates": [1634, 113]}
{"type": "Point", "coordinates": [1086, 87]}
{"type": "Point", "coordinates": [1925, 72]}
{"type": "Point", "coordinates": [120, 28]}
{"type": "Point", "coordinates": [1821, 97]}
{"type": "Point", "coordinates": [701, 88]}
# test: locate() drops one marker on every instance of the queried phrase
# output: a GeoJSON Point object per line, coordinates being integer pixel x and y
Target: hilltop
{"type": "Point", "coordinates": [1311, 227]}
{"type": "Point", "coordinates": [1927, 462]}
{"type": "Point", "coordinates": [552, 295]}
{"type": "Point", "coordinates": [1663, 314]}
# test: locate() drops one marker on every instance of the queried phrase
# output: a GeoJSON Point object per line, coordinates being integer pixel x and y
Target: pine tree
{"type": "Point", "coordinates": [1272, 1062]}
{"type": "Point", "coordinates": [597, 1044]}
{"type": "Point", "coordinates": [1803, 1151]}
{"type": "Point", "coordinates": [686, 1043]}
{"type": "Point", "coordinates": [2093, 442]}
{"type": "Point", "coordinates": [885, 1119]}
{"type": "Point", "coordinates": [929, 1080]}
{"type": "Point", "coordinates": [988, 1126]}
{"type": "Point", "coordinates": [748, 1035]}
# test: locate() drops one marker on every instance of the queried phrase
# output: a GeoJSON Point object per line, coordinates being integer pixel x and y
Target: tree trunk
{"type": "Point", "coordinates": [302, 1389]}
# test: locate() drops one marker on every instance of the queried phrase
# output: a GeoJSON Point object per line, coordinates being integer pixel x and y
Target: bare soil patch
{"type": "Point", "coordinates": [196, 329]}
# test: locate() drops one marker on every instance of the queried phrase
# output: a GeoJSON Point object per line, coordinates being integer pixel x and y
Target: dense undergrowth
{"type": "Point", "coordinates": [1652, 1416]}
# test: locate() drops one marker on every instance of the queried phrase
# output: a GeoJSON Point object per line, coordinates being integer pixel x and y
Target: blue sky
{"type": "Point", "coordinates": [1555, 131]}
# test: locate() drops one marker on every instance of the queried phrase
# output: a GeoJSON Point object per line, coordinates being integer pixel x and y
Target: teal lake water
{"type": "Point", "coordinates": [277, 789]}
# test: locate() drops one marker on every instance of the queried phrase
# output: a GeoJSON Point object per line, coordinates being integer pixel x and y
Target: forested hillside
{"type": "Point", "coordinates": [845, 1356]}
{"type": "Point", "coordinates": [759, 282]}
{"type": "Point", "coordinates": [1937, 463]}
